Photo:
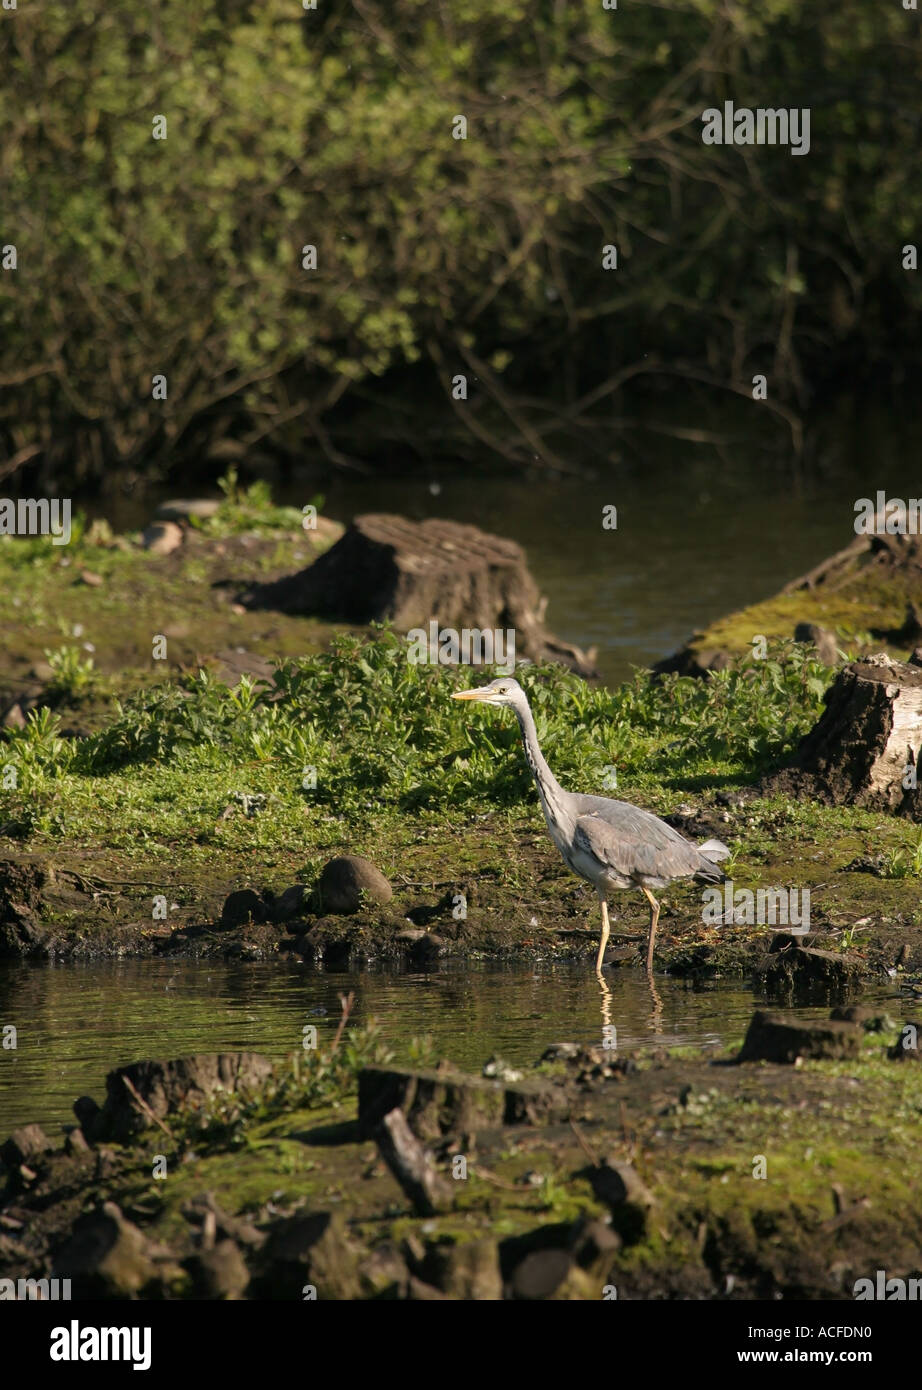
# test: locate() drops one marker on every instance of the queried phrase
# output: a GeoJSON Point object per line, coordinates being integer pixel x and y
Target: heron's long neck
{"type": "Point", "coordinates": [549, 789]}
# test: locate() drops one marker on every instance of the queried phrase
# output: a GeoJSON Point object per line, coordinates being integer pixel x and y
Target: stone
{"type": "Point", "coordinates": [289, 904]}
{"type": "Point", "coordinates": [162, 537]}
{"type": "Point", "coordinates": [621, 1188]}
{"type": "Point", "coordinates": [384, 1274]}
{"type": "Point", "coordinates": [541, 1273]}
{"type": "Point", "coordinates": [348, 881]}
{"type": "Point", "coordinates": [105, 1256]}
{"type": "Point", "coordinates": [308, 1249]}
{"type": "Point", "coordinates": [467, 1270]}
{"type": "Point", "coordinates": [14, 717]}
{"type": "Point", "coordinates": [75, 1143]}
{"type": "Point", "coordinates": [777, 1038]}
{"type": "Point", "coordinates": [219, 1273]}
{"type": "Point", "coordinates": [24, 1145]}
{"type": "Point", "coordinates": [827, 648]}
{"type": "Point", "coordinates": [242, 906]}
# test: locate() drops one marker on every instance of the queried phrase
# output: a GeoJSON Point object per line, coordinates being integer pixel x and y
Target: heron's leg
{"type": "Point", "coordinates": [605, 930]}
{"type": "Point", "coordinates": [654, 919]}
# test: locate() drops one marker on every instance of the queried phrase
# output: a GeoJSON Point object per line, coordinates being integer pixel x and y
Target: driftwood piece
{"type": "Point", "coordinates": [411, 1165]}
{"type": "Point", "coordinates": [864, 750]}
{"type": "Point", "coordinates": [416, 573]}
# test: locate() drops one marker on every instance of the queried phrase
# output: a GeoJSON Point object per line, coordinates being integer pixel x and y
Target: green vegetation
{"type": "Point", "coordinates": [361, 732]}
{"type": "Point", "coordinates": [333, 129]}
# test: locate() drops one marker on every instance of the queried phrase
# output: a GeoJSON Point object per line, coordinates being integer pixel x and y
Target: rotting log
{"type": "Point", "coordinates": [414, 573]}
{"type": "Point", "coordinates": [864, 750]}
{"type": "Point", "coordinates": [412, 1165]}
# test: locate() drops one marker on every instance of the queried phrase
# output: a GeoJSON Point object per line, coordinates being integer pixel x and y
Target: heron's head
{"type": "Point", "coordinates": [504, 691]}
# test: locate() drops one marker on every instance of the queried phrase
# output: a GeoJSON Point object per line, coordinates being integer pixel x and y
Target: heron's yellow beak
{"type": "Point", "coordinates": [477, 694]}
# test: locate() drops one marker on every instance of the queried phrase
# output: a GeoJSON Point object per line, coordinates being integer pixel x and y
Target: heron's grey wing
{"type": "Point", "coordinates": [634, 843]}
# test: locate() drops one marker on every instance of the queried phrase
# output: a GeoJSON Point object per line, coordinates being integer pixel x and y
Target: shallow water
{"type": "Point", "coordinates": [702, 530]}
{"type": "Point", "coordinates": [76, 1022]}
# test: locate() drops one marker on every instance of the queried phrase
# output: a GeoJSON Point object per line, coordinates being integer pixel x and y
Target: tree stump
{"type": "Point", "coordinates": [415, 573]}
{"type": "Point", "coordinates": [864, 750]}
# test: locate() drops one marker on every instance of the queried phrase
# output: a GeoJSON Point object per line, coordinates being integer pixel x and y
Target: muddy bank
{"type": "Point", "coordinates": [67, 909]}
{"type": "Point", "coordinates": [786, 1170]}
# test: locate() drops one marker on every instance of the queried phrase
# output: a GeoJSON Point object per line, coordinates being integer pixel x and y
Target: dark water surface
{"type": "Point", "coordinates": [75, 1022]}
{"type": "Point", "coordinates": [703, 529]}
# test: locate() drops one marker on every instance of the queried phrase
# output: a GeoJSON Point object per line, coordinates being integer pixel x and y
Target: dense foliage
{"type": "Point", "coordinates": [362, 731]}
{"type": "Point", "coordinates": [332, 127]}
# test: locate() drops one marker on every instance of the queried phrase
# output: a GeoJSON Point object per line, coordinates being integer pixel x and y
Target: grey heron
{"type": "Point", "coordinates": [611, 843]}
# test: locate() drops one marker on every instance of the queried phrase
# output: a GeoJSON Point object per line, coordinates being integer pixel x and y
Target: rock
{"type": "Point", "coordinates": [467, 1270]}
{"type": "Point", "coordinates": [429, 947]}
{"type": "Point", "coordinates": [501, 1070]}
{"type": "Point", "coordinates": [91, 578]}
{"type": "Point", "coordinates": [384, 1274]}
{"type": "Point", "coordinates": [308, 1249]}
{"type": "Point", "coordinates": [594, 1244]}
{"type": "Point", "coordinates": [14, 717]}
{"type": "Point", "coordinates": [24, 1145]}
{"type": "Point", "coordinates": [858, 752]}
{"type": "Point", "coordinates": [42, 671]}
{"type": "Point", "coordinates": [390, 568]}
{"type": "Point", "coordinates": [776, 1038]}
{"type": "Point", "coordinates": [347, 882]}
{"type": "Point", "coordinates": [231, 664]}
{"type": "Point", "coordinates": [165, 1087]}
{"type": "Point", "coordinates": [162, 537]}
{"type": "Point", "coordinates": [219, 1273]}
{"type": "Point", "coordinates": [289, 904]}
{"type": "Point", "coordinates": [689, 661]}
{"type": "Point", "coordinates": [446, 1102]}
{"type": "Point", "coordinates": [541, 1273]}
{"type": "Point", "coordinates": [561, 1052]}
{"type": "Point", "coordinates": [620, 1187]}
{"type": "Point", "coordinates": [185, 508]}
{"type": "Point", "coordinates": [242, 906]}
{"type": "Point", "coordinates": [75, 1143]}
{"type": "Point", "coordinates": [827, 648]}
{"type": "Point", "coordinates": [105, 1256]}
